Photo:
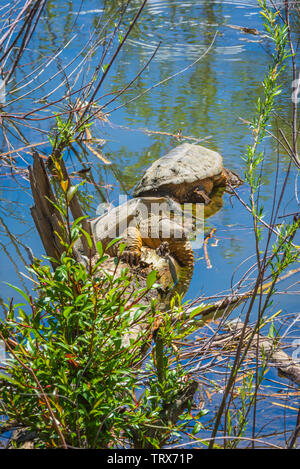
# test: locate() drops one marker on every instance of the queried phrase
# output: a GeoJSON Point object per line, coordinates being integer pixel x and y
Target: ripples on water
{"type": "Point", "coordinates": [163, 21]}
{"type": "Point", "coordinates": [169, 19]}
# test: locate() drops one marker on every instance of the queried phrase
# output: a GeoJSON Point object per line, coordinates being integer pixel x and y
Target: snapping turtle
{"type": "Point", "coordinates": [154, 222]}
{"type": "Point", "coordinates": [188, 173]}
{"type": "Point", "coordinates": [154, 218]}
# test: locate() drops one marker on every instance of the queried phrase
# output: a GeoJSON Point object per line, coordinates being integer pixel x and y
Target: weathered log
{"type": "Point", "coordinates": [46, 217]}
{"type": "Point", "coordinates": [77, 212]}
{"type": "Point", "coordinates": [266, 348]}
{"type": "Point", "coordinates": [230, 302]}
{"type": "Point", "coordinates": [270, 350]}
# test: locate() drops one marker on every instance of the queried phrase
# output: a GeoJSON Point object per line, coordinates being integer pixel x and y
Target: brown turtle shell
{"type": "Point", "coordinates": [187, 164]}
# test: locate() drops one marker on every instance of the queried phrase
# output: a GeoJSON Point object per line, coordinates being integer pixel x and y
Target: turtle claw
{"type": "Point", "coordinates": [163, 249]}
{"type": "Point", "coordinates": [202, 196]}
{"type": "Point", "coordinates": [131, 257]}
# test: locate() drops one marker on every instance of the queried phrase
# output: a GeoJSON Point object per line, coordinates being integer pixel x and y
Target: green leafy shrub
{"type": "Point", "coordinates": [72, 377]}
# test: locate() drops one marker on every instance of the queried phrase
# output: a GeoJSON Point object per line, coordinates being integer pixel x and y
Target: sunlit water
{"type": "Point", "coordinates": [207, 100]}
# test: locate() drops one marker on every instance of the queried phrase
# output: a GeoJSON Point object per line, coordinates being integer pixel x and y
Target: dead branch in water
{"type": "Point", "coordinates": [267, 348]}
{"type": "Point", "coordinates": [232, 301]}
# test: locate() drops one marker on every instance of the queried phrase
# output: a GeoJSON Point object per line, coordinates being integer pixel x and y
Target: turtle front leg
{"type": "Point", "coordinates": [202, 191]}
{"type": "Point", "coordinates": [201, 196]}
{"type": "Point", "coordinates": [163, 249]}
{"type": "Point", "coordinates": [133, 250]}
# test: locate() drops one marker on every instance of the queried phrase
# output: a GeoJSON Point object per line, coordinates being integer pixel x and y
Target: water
{"type": "Point", "coordinates": [207, 100]}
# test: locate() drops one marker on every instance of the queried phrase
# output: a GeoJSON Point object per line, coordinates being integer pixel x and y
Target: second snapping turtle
{"type": "Point", "coordinates": [188, 173]}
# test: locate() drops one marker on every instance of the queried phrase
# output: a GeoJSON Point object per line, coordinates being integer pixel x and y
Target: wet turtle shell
{"type": "Point", "coordinates": [187, 164]}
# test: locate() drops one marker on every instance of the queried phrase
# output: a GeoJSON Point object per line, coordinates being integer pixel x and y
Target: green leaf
{"type": "Point", "coordinates": [78, 220]}
{"type": "Point", "coordinates": [197, 427]}
{"type": "Point", "coordinates": [88, 237]}
{"type": "Point", "coordinates": [114, 241]}
{"type": "Point", "coordinates": [121, 247]}
{"type": "Point", "coordinates": [196, 311]}
{"type": "Point", "coordinates": [71, 192]}
{"type": "Point", "coordinates": [19, 291]}
{"type": "Point", "coordinates": [272, 331]}
{"type": "Point", "coordinates": [99, 247]}
{"type": "Point", "coordinates": [10, 380]}
{"type": "Point", "coordinates": [151, 279]}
